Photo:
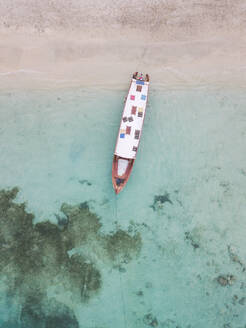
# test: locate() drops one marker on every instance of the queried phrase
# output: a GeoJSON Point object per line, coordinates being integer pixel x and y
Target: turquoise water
{"type": "Point", "coordinates": [169, 251]}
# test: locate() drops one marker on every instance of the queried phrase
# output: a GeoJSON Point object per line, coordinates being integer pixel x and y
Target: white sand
{"type": "Point", "coordinates": [48, 43]}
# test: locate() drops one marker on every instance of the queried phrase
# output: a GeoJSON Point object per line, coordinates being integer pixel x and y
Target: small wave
{"type": "Point", "coordinates": [26, 71]}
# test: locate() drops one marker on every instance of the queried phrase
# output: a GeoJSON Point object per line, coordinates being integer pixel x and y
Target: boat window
{"type": "Point", "coordinates": [124, 119]}
{"type": "Point", "coordinates": [134, 148]}
{"type": "Point", "coordinates": [130, 119]}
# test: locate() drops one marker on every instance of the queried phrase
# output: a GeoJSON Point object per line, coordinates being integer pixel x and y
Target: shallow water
{"type": "Point", "coordinates": [185, 201]}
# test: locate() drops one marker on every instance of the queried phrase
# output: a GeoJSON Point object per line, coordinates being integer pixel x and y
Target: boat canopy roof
{"type": "Point", "coordinates": [132, 119]}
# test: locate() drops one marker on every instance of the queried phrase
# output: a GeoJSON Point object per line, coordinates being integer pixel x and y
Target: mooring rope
{"type": "Point", "coordinates": [118, 264]}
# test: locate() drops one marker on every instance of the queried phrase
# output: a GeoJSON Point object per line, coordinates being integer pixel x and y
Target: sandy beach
{"type": "Point", "coordinates": [46, 44]}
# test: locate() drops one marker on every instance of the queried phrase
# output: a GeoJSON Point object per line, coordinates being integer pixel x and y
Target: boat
{"type": "Point", "coordinates": [130, 130]}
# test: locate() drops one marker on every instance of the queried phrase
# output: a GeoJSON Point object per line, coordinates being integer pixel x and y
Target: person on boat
{"type": "Point", "coordinates": [141, 77]}
{"type": "Point", "coordinates": [135, 75]}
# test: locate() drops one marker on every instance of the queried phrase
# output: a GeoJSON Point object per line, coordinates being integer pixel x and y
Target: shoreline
{"type": "Point", "coordinates": [20, 80]}
{"type": "Point", "coordinates": [59, 61]}
{"type": "Point", "coordinates": [22, 83]}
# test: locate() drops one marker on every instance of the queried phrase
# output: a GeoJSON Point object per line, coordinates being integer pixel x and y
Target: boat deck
{"type": "Point", "coordinates": [132, 120]}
